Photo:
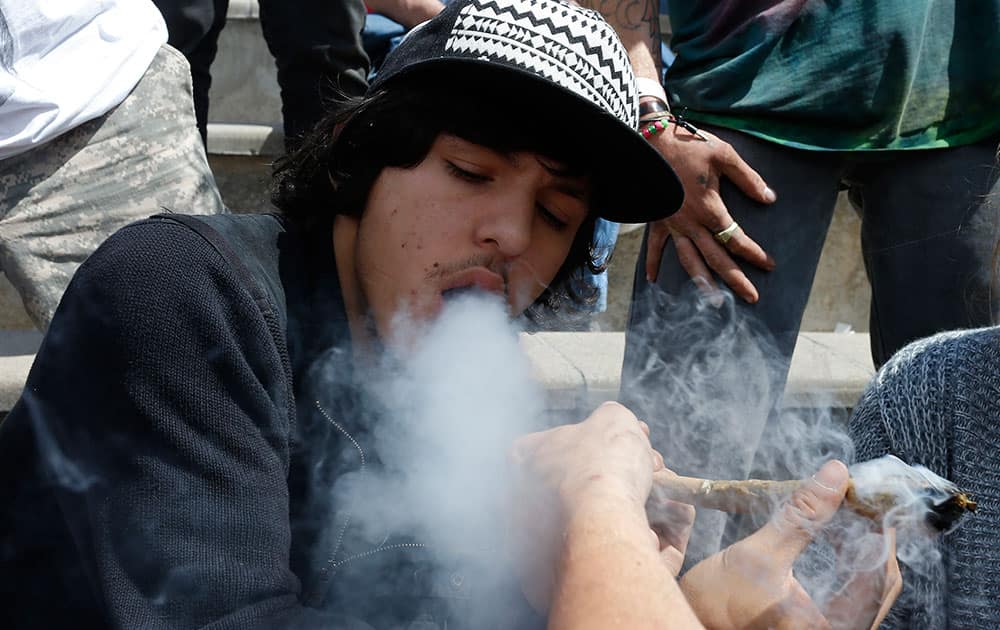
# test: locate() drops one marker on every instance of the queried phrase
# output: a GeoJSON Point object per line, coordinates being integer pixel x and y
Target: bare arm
{"type": "Point", "coordinates": [611, 574]}
{"type": "Point", "coordinates": [700, 164]}
{"type": "Point", "coordinates": [637, 24]}
{"type": "Point", "coordinates": [585, 550]}
{"type": "Point", "coordinates": [409, 13]}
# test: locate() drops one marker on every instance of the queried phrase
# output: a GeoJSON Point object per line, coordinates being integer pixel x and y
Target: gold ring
{"type": "Point", "coordinates": [726, 234]}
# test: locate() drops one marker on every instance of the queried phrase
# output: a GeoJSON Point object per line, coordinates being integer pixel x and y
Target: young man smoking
{"type": "Point", "coordinates": [168, 465]}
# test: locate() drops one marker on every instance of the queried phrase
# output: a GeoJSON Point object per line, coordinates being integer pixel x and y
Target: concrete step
{"type": "Point", "coordinates": [581, 370]}
{"type": "Point", "coordinates": [244, 76]}
{"type": "Point", "coordinates": [17, 352]}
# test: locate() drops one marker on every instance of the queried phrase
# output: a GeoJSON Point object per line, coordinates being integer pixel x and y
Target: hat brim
{"type": "Point", "coordinates": [635, 183]}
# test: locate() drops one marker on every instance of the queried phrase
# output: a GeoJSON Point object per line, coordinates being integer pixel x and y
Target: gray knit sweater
{"type": "Point", "coordinates": [937, 403]}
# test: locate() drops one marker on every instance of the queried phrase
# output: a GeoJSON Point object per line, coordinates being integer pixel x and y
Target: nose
{"type": "Point", "coordinates": [506, 223]}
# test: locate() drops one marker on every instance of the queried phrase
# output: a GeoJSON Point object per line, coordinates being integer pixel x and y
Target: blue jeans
{"type": "Point", "coordinates": [380, 36]}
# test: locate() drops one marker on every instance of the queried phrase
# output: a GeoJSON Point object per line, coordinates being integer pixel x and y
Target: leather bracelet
{"type": "Point", "coordinates": [652, 107]}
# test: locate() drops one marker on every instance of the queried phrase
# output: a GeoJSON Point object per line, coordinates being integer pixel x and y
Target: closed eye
{"type": "Point", "coordinates": [469, 176]}
{"type": "Point", "coordinates": [549, 217]}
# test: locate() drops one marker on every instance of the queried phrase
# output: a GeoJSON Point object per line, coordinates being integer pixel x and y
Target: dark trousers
{"type": "Point", "coordinates": [316, 45]}
{"type": "Point", "coordinates": [708, 378]}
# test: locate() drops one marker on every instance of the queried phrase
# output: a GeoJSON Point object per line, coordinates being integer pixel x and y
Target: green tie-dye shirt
{"type": "Point", "coordinates": [840, 74]}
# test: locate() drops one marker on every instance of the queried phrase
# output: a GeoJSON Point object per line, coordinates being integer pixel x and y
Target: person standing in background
{"type": "Point", "coordinates": [316, 45]}
{"type": "Point", "coordinates": [96, 131]}
{"type": "Point", "coordinates": [796, 101]}
{"type": "Point", "coordinates": [935, 403]}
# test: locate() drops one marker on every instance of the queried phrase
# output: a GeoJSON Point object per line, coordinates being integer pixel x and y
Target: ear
{"type": "Point", "coordinates": [345, 232]}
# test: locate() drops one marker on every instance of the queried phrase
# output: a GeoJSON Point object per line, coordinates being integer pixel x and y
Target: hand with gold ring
{"type": "Point", "coordinates": [703, 221]}
{"type": "Point", "coordinates": [724, 236]}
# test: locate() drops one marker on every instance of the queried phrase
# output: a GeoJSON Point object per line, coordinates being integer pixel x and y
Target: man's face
{"type": "Point", "coordinates": [466, 217]}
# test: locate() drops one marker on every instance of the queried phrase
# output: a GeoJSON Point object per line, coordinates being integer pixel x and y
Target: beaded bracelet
{"type": "Point", "coordinates": [654, 127]}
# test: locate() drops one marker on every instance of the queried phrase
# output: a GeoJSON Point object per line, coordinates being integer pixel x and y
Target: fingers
{"type": "Point", "coordinates": [658, 463]}
{"type": "Point", "coordinates": [810, 507]}
{"type": "Point", "coordinates": [795, 612]}
{"type": "Point", "coordinates": [672, 521]}
{"type": "Point", "coordinates": [692, 262]}
{"type": "Point", "coordinates": [745, 178]}
{"type": "Point", "coordinates": [865, 599]}
{"type": "Point", "coordinates": [644, 428]}
{"type": "Point", "coordinates": [656, 240]}
{"type": "Point", "coordinates": [719, 260]}
{"type": "Point", "coordinates": [700, 253]}
{"type": "Point", "coordinates": [746, 248]}
{"type": "Point", "coordinates": [893, 583]}
{"type": "Point", "coordinates": [700, 166]}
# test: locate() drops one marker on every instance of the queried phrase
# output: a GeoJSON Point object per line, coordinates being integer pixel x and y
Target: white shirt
{"type": "Point", "coordinates": [64, 62]}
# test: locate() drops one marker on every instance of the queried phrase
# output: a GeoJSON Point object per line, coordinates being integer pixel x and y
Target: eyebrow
{"type": "Point", "coordinates": [565, 185]}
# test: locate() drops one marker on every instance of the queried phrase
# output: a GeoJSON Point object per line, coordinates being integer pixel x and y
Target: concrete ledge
{"type": "Point", "coordinates": [829, 369]}
{"type": "Point", "coordinates": [578, 370]}
{"type": "Point", "coordinates": [244, 139]}
{"type": "Point", "coordinates": [243, 10]}
{"type": "Point", "coordinates": [581, 370]}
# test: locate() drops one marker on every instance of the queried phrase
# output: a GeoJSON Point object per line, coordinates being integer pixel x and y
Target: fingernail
{"type": "Point", "coordinates": [769, 195]}
{"type": "Point", "coordinates": [829, 477]}
{"type": "Point", "coordinates": [712, 295]}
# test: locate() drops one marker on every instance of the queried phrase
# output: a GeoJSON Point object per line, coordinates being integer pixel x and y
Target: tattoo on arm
{"type": "Point", "coordinates": [634, 15]}
{"type": "Point", "coordinates": [703, 180]}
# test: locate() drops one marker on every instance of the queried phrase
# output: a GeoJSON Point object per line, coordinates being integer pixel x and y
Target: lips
{"type": "Point", "coordinates": [473, 279]}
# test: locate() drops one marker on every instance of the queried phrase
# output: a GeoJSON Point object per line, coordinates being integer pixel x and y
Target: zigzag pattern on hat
{"type": "Point", "coordinates": [585, 82]}
{"type": "Point", "coordinates": [579, 25]}
{"type": "Point", "coordinates": [554, 39]}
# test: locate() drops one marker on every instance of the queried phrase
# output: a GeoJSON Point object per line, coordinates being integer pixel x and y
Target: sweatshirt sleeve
{"type": "Point", "coordinates": [867, 427]}
{"type": "Point", "coordinates": [159, 402]}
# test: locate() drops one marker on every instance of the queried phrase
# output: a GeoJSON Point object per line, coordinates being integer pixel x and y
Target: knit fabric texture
{"type": "Point", "coordinates": [936, 403]}
{"type": "Point", "coordinates": [172, 462]}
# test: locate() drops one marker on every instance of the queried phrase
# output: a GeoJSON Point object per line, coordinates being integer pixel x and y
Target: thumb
{"type": "Point", "coordinates": [810, 507]}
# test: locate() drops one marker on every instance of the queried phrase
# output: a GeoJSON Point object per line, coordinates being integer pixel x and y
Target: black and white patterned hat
{"type": "Point", "coordinates": [554, 44]}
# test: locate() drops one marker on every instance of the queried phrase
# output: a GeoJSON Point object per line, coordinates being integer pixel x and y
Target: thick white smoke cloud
{"type": "Point", "coordinates": [706, 386]}
{"type": "Point", "coordinates": [463, 393]}
{"type": "Point", "coordinates": [452, 407]}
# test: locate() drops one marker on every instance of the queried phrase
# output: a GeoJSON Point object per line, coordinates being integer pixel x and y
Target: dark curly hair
{"type": "Point", "coordinates": [334, 168]}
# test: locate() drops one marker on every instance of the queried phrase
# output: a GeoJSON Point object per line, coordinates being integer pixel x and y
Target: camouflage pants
{"type": "Point", "coordinates": [60, 200]}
